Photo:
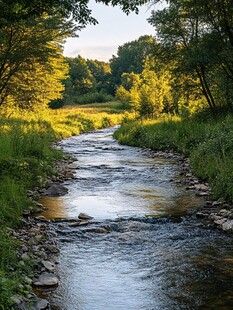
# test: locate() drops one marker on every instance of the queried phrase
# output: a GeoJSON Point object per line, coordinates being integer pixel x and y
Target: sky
{"type": "Point", "coordinates": [114, 29]}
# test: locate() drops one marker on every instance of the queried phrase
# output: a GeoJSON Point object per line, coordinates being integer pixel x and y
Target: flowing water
{"type": "Point", "coordinates": [155, 256]}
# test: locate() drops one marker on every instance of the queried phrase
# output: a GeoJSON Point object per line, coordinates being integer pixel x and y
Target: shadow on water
{"type": "Point", "coordinates": [142, 251]}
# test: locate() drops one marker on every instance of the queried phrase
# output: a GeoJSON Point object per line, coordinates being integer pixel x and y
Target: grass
{"type": "Point", "coordinates": [26, 157]}
{"type": "Point", "coordinates": [208, 142]}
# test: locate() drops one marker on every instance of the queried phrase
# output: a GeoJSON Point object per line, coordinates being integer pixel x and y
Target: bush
{"type": "Point", "coordinates": [93, 98]}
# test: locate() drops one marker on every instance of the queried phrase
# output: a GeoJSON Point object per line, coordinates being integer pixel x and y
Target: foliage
{"type": "Point", "coordinates": [101, 71]}
{"type": "Point", "coordinates": [88, 81]}
{"type": "Point", "coordinates": [131, 57]}
{"type": "Point", "coordinates": [67, 9]}
{"type": "Point", "coordinates": [31, 33]}
{"type": "Point", "coordinates": [199, 36]}
{"type": "Point", "coordinates": [31, 65]}
{"type": "Point", "coordinates": [147, 93]}
{"type": "Point", "coordinates": [94, 98]}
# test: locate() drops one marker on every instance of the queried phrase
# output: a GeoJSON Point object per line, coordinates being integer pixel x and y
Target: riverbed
{"type": "Point", "coordinates": [143, 249]}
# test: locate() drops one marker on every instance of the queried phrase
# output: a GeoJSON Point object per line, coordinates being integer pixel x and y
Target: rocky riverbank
{"type": "Point", "coordinates": [38, 246]}
{"type": "Point", "coordinates": [38, 239]}
{"type": "Point", "coordinates": [218, 213]}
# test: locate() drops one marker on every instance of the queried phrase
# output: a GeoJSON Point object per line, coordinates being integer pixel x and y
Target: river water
{"type": "Point", "coordinates": [156, 255]}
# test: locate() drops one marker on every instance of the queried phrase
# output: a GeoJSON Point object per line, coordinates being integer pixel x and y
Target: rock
{"type": "Point", "coordinates": [38, 304]}
{"type": "Point", "coordinates": [98, 230]}
{"type": "Point", "coordinates": [41, 218]}
{"type": "Point", "coordinates": [48, 265]}
{"type": "Point", "coordinates": [26, 213]}
{"type": "Point", "coordinates": [24, 248]}
{"type": "Point", "coordinates": [81, 223]}
{"type": "Point", "coordinates": [215, 217]}
{"type": "Point", "coordinates": [32, 241]}
{"type": "Point", "coordinates": [201, 215]}
{"type": "Point", "coordinates": [84, 216]}
{"type": "Point", "coordinates": [221, 201]}
{"type": "Point", "coordinates": [202, 194]}
{"type": "Point", "coordinates": [55, 190]}
{"type": "Point", "coordinates": [69, 175]}
{"type": "Point", "coordinates": [16, 299]}
{"type": "Point", "coordinates": [228, 225]}
{"type": "Point", "coordinates": [41, 304]}
{"type": "Point", "coordinates": [27, 280]}
{"type": "Point", "coordinates": [202, 187]}
{"type": "Point", "coordinates": [219, 222]}
{"type": "Point", "coordinates": [224, 212]}
{"type": "Point", "coordinates": [25, 257]}
{"type": "Point", "coordinates": [51, 248]}
{"type": "Point", "coordinates": [216, 203]}
{"type": "Point", "coordinates": [190, 187]}
{"type": "Point", "coordinates": [46, 280]}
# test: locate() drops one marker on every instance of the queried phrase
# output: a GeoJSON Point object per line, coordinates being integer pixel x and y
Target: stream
{"type": "Point", "coordinates": [143, 250]}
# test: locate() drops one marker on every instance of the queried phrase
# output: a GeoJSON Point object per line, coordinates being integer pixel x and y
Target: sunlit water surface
{"type": "Point", "coordinates": [155, 256]}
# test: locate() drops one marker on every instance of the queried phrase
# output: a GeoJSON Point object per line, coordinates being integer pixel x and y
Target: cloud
{"type": "Point", "coordinates": [103, 53]}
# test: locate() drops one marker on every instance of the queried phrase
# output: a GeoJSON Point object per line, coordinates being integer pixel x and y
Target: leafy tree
{"type": "Point", "coordinates": [36, 84]}
{"type": "Point", "coordinates": [81, 78]}
{"type": "Point", "coordinates": [101, 71]}
{"type": "Point", "coordinates": [201, 34]}
{"type": "Point", "coordinates": [131, 57]}
{"type": "Point", "coordinates": [29, 30]}
{"type": "Point", "coordinates": [77, 10]}
{"type": "Point", "coordinates": [23, 47]}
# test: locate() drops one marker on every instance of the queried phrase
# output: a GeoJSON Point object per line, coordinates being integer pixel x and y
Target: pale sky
{"type": "Point", "coordinates": [115, 28]}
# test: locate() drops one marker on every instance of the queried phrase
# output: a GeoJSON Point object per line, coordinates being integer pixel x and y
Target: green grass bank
{"type": "Point", "coordinates": [206, 141]}
{"type": "Point", "coordinates": [26, 158]}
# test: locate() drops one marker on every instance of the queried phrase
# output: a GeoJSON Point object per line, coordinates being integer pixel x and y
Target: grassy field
{"type": "Point", "coordinates": [26, 157]}
{"type": "Point", "coordinates": [208, 142]}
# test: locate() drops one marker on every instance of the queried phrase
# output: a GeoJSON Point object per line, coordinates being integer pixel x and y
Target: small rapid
{"type": "Point", "coordinates": [142, 250]}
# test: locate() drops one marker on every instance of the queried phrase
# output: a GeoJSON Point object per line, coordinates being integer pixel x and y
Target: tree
{"type": "Point", "coordinates": [147, 93]}
{"type": "Point", "coordinates": [25, 46]}
{"type": "Point", "coordinates": [36, 84]}
{"type": "Point", "coordinates": [29, 30]}
{"type": "Point", "coordinates": [101, 71]}
{"type": "Point", "coordinates": [82, 80]}
{"type": "Point", "coordinates": [76, 10]}
{"type": "Point", "coordinates": [201, 33]}
{"type": "Point", "coordinates": [131, 57]}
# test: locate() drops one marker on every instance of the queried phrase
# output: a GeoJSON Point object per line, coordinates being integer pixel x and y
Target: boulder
{"type": "Point", "coordinates": [46, 280]}
{"type": "Point", "coordinates": [84, 216]}
{"type": "Point", "coordinates": [228, 225]}
{"type": "Point", "coordinates": [48, 265]}
{"type": "Point", "coordinates": [55, 190]}
{"type": "Point", "coordinates": [39, 304]}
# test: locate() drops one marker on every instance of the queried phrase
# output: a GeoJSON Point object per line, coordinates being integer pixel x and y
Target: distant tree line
{"type": "Point", "coordinates": [31, 33]}
{"type": "Point", "coordinates": [187, 67]}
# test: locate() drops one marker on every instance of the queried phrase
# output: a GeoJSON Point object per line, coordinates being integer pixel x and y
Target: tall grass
{"type": "Point", "coordinates": [26, 157]}
{"type": "Point", "coordinates": [208, 142]}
